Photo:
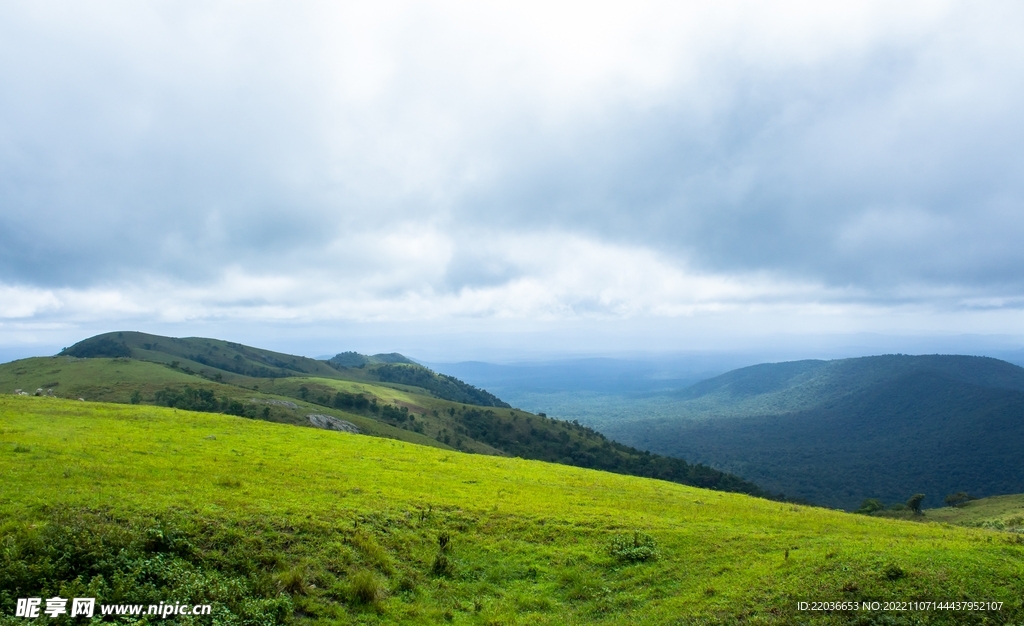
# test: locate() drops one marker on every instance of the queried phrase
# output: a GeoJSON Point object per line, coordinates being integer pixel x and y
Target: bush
{"type": "Point", "coordinates": [443, 566]}
{"type": "Point", "coordinates": [139, 560]}
{"type": "Point", "coordinates": [634, 549]}
{"type": "Point", "coordinates": [893, 572]}
{"type": "Point", "coordinates": [959, 498]}
{"type": "Point", "coordinates": [869, 506]}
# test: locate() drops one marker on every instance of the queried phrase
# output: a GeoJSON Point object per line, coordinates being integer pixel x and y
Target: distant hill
{"type": "Point", "coordinates": [259, 363]}
{"type": "Point", "coordinates": [354, 359]}
{"type": "Point", "coordinates": [213, 353]}
{"type": "Point", "coordinates": [837, 432]}
{"type": "Point", "coordinates": [385, 395]}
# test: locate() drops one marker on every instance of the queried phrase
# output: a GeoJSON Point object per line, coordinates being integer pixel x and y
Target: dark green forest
{"type": "Point", "coordinates": [876, 427]}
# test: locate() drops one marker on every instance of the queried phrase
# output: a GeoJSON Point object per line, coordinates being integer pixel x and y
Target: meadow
{"type": "Point", "coordinates": [272, 523]}
{"type": "Point", "coordinates": [999, 512]}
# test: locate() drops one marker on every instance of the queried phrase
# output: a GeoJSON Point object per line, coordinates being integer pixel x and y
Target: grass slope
{"type": "Point", "coordinates": [390, 397]}
{"type": "Point", "coordinates": [838, 432]}
{"type": "Point", "coordinates": [275, 524]}
{"type": "Point", "coordinates": [999, 512]}
{"type": "Point", "coordinates": [116, 379]}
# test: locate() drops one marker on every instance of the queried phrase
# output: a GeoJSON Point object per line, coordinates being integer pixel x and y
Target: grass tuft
{"type": "Point", "coordinates": [365, 588]}
{"type": "Point", "coordinates": [634, 549]}
{"type": "Point", "coordinates": [294, 581]}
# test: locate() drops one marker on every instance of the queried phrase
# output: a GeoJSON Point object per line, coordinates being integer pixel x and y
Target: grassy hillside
{"type": "Point", "coordinates": [838, 432]}
{"type": "Point", "coordinates": [389, 397]}
{"type": "Point", "coordinates": [275, 524]}
{"type": "Point", "coordinates": [119, 379]}
{"type": "Point", "coordinates": [233, 360]}
{"type": "Point", "coordinates": [999, 512]}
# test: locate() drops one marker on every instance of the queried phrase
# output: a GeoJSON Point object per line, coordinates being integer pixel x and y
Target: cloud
{"type": "Point", "coordinates": [325, 162]}
{"type": "Point", "coordinates": [25, 302]}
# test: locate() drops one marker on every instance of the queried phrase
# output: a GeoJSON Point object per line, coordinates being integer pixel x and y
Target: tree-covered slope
{"type": "Point", "coordinates": [440, 385]}
{"type": "Point", "coordinates": [272, 524]}
{"type": "Point", "coordinates": [838, 432]}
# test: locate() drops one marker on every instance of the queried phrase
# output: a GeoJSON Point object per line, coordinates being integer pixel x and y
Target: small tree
{"type": "Point", "coordinates": [914, 503]}
{"type": "Point", "coordinates": [870, 506]}
{"type": "Point", "coordinates": [959, 498]}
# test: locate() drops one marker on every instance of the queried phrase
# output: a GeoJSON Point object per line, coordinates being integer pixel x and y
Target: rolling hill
{"type": "Point", "coordinates": [272, 524]}
{"type": "Point", "coordinates": [384, 395]}
{"type": "Point", "coordinates": [838, 432]}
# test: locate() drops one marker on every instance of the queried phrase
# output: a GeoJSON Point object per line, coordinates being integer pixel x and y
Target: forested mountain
{"type": "Point", "coordinates": [837, 432]}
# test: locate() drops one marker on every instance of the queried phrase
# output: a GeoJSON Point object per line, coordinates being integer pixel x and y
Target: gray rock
{"type": "Point", "coordinates": [332, 423]}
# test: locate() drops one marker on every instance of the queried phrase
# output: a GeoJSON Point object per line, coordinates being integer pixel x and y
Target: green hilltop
{"type": "Point", "coordinates": [384, 395]}
{"type": "Point", "coordinates": [838, 432]}
{"type": "Point", "coordinates": [273, 524]}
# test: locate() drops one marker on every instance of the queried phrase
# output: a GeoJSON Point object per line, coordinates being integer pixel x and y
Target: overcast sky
{"type": "Point", "coordinates": [452, 178]}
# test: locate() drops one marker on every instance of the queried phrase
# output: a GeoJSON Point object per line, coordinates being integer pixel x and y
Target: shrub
{"type": "Point", "coordinates": [634, 549]}
{"type": "Point", "coordinates": [893, 572]}
{"type": "Point", "coordinates": [442, 565]}
{"type": "Point", "coordinates": [869, 506]}
{"type": "Point", "coordinates": [959, 498]}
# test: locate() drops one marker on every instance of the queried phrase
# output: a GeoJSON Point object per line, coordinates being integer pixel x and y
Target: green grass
{"type": "Point", "coordinates": [1001, 512]}
{"type": "Point", "coordinates": [274, 523]}
{"type": "Point", "coordinates": [116, 379]}
{"type": "Point", "coordinates": [400, 411]}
